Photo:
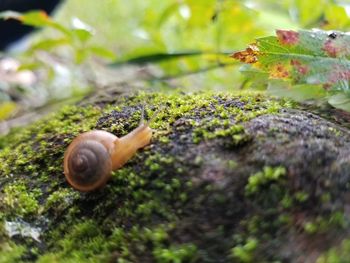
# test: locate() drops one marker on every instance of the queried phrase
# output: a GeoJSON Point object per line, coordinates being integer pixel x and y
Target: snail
{"type": "Point", "coordinates": [92, 156]}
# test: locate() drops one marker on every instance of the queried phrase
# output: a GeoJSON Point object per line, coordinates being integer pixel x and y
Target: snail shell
{"type": "Point", "coordinates": [92, 156]}
{"type": "Point", "coordinates": [87, 161]}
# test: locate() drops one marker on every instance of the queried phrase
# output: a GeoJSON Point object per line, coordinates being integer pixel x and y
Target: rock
{"type": "Point", "coordinates": [227, 178]}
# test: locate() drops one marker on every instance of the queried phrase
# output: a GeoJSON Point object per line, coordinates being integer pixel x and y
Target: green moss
{"type": "Point", "coordinates": [19, 201]}
{"type": "Point", "coordinates": [80, 243]}
{"type": "Point", "coordinates": [322, 224]}
{"type": "Point", "coordinates": [137, 214]}
{"type": "Point", "coordinates": [227, 117]}
{"type": "Point", "coordinates": [11, 253]}
{"type": "Point", "coordinates": [235, 132]}
{"type": "Point", "coordinates": [60, 200]}
{"type": "Point", "coordinates": [301, 196]}
{"type": "Point", "coordinates": [269, 174]}
{"type": "Point", "coordinates": [245, 252]}
{"type": "Point", "coordinates": [85, 241]}
{"type": "Point", "coordinates": [340, 254]}
{"type": "Point", "coordinates": [175, 254]}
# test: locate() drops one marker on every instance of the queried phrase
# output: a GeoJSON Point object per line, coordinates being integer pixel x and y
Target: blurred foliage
{"type": "Point", "coordinates": [73, 40]}
{"type": "Point", "coordinates": [177, 37]}
{"type": "Point", "coordinates": [6, 109]}
{"type": "Point", "coordinates": [141, 27]}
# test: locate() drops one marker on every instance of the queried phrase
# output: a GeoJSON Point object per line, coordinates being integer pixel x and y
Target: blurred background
{"type": "Point", "coordinates": [182, 45]}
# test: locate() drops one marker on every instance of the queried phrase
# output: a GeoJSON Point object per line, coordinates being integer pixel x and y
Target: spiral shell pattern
{"type": "Point", "coordinates": [87, 166]}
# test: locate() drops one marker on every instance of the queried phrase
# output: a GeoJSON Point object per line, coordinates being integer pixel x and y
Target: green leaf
{"type": "Point", "coordinates": [30, 66]}
{"type": "Point", "coordinates": [200, 12]}
{"type": "Point", "coordinates": [300, 92]}
{"type": "Point", "coordinates": [254, 77]}
{"type": "Point", "coordinates": [102, 52]}
{"type": "Point", "coordinates": [82, 34]}
{"type": "Point", "coordinates": [81, 55]}
{"type": "Point", "coordinates": [340, 101]}
{"type": "Point", "coordinates": [167, 13]}
{"type": "Point", "coordinates": [336, 17]}
{"type": "Point", "coordinates": [35, 19]}
{"type": "Point", "coordinates": [309, 12]}
{"type": "Point", "coordinates": [158, 57]}
{"type": "Point", "coordinates": [49, 44]}
{"type": "Point", "coordinates": [253, 73]}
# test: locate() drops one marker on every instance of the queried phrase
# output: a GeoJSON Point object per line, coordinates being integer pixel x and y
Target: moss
{"type": "Point", "coordinates": [339, 254]}
{"type": "Point", "coordinates": [301, 196]}
{"type": "Point", "coordinates": [19, 201]}
{"type": "Point", "coordinates": [184, 198]}
{"type": "Point", "coordinates": [324, 223]}
{"type": "Point", "coordinates": [86, 241]}
{"type": "Point", "coordinates": [60, 200]}
{"type": "Point", "coordinates": [268, 175]}
{"type": "Point", "coordinates": [175, 254]}
{"type": "Point", "coordinates": [222, 124]}
{"type": "Point", "coordinates": [245, 253]}
{"type": "Point", "coordinates": [10, 253]}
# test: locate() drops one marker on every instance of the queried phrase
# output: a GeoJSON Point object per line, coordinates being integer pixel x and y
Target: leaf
{"type": "Point", "coordinates": [340, 101]}
{"type": "Point", "coordinates": [29, 66]}
{"type": "Point", "coordinates": [252, 72]}
{"type": "Point", "coordinates": [35, 19]}
{"type": "Point", "coordinates": [80, 55]}
{"type": "Point", "coordinates": [82, 34]}
{"type": "Point", "coordinates": [336, 17]}
{"type": "Point", "coordinates": [102, 52]}
{"type": "Point", "coordinates": [167, 13]}
{"type": "Point", "coordinates": [201, 12]}
{"type": "Point", "coordinates": [254, 78]}
{"type": "Point", "coordinates": [7, 109]}
{"type": "Point", "coordinates": [303, 57]}
{"type": "Point", "coordinates": [309, 12]}
{"type": "Point", "coordinates": [158, 57]}
{"type": "Point", "coordinates": [300, 92]}
{"type": "Point", "coordinates": [49, 44]}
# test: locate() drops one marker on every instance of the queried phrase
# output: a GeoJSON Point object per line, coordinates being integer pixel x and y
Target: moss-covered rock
{"type": "Point", "coordinates": [227, 178]}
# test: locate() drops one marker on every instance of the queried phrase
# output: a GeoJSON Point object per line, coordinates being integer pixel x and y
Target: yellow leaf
{"type": "Point", "coordinates": [7, 109]}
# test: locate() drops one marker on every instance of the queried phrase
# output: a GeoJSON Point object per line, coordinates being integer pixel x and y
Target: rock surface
{"type": "Point", "coordinates": [227, 178]}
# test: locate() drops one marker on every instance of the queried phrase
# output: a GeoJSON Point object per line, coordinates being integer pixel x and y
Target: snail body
{"type": "Point", "coordinates": [92, 156]}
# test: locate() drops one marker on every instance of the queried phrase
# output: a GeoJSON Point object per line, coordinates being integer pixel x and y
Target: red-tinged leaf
{"type": "Point", "coordinates": [304, 57]}
{"type": "Point", "coordinates": [287, 37]}
{"type": "Point", "coordinates": [249, 55]}
{"type": "Point", "coordinates": [35, 18]}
